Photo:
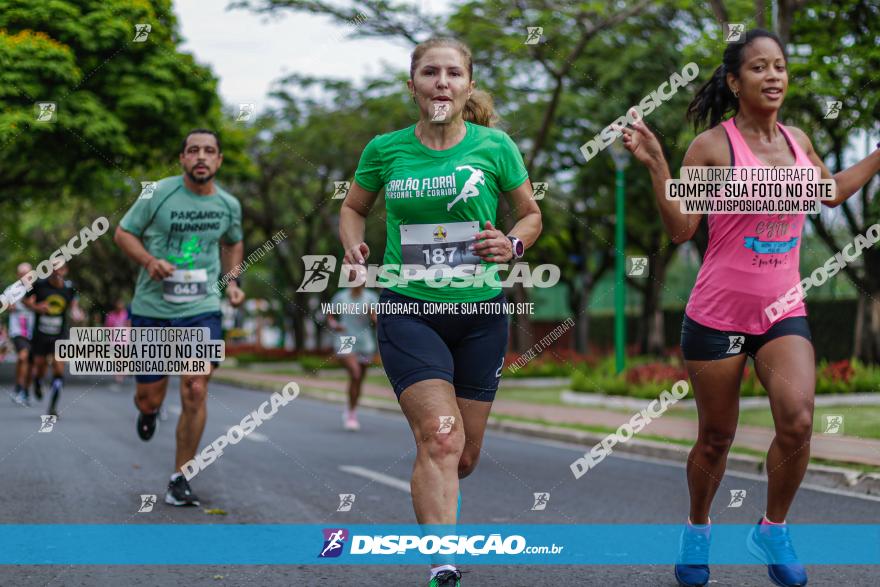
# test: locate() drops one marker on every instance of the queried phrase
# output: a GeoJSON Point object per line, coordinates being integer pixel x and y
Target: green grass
{"type": "Point", "coordinates": [860, 421]}
{"type": "Point", "coordinates": [543, 395]}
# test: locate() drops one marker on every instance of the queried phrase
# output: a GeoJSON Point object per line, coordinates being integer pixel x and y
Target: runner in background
{"type": "Point", "coordinates": [21, 328]}
{"type": "Point", "coordinates": [355, 344]}
{"type": "Point", "coordinates": [182, 235]}
{"type": "Point", "coordinates": [51, 300]}
{"type": "Point", "coordinates": [116, 318]}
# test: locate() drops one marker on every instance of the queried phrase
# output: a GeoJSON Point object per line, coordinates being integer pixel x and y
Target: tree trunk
{"type": "Point", "coordinates": [867, 335]}
{"type": "Point", "coordinates": [299, 322]}
{"type": "Point", "coordinates": [579, 298]}
{"type": "Point", "coordinates": [652, 340]}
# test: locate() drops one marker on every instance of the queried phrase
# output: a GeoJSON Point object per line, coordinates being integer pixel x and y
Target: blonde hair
{"type": "Point", "coordinates": [479, 108]}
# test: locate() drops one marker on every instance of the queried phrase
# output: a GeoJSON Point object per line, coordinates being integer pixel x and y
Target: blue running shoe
{"type": "Point", "coordinates": [772, 545]}
{"type": "Point", "coordinates": [692, 566]}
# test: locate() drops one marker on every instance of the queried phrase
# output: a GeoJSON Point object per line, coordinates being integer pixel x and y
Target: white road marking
{"type": "Point", "coordinates": [257, 437]}
{"type": "Point", "coordinates": [377, 477]}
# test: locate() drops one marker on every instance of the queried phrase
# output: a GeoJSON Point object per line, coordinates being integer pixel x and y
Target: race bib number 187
{"type": "Point", "coordinates": [438, 244]}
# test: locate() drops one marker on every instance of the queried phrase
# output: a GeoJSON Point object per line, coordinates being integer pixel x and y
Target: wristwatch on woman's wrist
{"type": "Point", "coordinates": [519, 249]}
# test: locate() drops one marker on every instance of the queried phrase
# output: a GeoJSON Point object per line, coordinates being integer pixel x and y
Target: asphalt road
{"type": "Point", "coordinates": [92, 468]}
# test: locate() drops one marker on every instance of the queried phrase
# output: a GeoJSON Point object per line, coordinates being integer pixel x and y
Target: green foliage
{"type": "Point", "coordinates": [122, 110]}
{"type": "Point", "coordinates": [840, 377]}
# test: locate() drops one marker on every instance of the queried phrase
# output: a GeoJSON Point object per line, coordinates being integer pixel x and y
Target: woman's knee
{"type": "Point", "coordinates": [796, 428]}
{"type": "Point", "coordinates": [715, 443]}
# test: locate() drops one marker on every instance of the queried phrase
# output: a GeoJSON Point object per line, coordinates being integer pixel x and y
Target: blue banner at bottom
{"type": "Point", "coordinates": [267, 544]}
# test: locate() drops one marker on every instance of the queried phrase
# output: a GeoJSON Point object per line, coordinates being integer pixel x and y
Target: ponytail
{"type": "Point", "coordinates": [480, 109]}
{"type": "Point", "coordinates": [714, 99]}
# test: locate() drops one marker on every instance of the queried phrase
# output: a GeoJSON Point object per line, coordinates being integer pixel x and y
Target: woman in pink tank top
{"type": "Point", "coordinates": [734, 310]}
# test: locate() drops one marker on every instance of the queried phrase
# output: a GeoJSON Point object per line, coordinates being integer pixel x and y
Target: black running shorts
{"type": "Point", "coordinates": [466, 349]}
{"type": "Point", "coordinates": [701, 343]}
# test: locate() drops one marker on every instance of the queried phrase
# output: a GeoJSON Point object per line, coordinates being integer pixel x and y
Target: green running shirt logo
{"type": "Point", "coordinates": [188, 250]}
{"type": "Point", "coordinates": [470, 186]}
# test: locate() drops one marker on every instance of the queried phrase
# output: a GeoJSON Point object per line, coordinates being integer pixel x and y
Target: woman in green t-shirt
{"type": "Point", "coordinates": [442, 341]}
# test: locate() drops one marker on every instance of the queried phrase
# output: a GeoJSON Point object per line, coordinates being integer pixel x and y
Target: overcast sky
{"type": "Point", "coordinates": [248, 51]}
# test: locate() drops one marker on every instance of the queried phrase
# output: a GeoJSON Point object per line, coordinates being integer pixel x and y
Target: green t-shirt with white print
{"type": "Point", "coordinates": [436, 201]}
{"type": "Point", "coordinates": [184, 229]}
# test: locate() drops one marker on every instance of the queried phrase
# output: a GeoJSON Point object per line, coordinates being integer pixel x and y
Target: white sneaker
{"type": "Point", "coordinates": [350, 421]}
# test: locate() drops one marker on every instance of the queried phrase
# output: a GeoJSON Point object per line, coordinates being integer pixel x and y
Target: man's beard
{"type": "Point", "coordinates": [200, 180]}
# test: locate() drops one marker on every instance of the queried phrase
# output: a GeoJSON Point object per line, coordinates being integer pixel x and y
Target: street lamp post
{"type": "Point", "coordinates": [621, 160]}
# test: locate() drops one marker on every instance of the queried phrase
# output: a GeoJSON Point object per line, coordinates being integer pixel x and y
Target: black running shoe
{"type": "Point", "coordinates": [146, 425]}
{"type": "Point", "coordinates": [179, 493]}
{"type": "Point", "coordinates": [38, 391]}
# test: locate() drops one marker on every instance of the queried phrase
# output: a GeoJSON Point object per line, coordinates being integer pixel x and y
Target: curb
{"type": "Point", "coordinates": [849, 480]}
{"type": "Point", "coordinates": [580, 398]}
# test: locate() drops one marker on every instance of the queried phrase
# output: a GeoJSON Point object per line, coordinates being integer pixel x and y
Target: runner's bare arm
{"type": "Point", "coordinates": [705, 150]}
{"type": "Point", "coordinates": [850, 180]}
{"type": "Point", "coordinates": [132, 246]}
{"type": "Point", "coordinates": [30, 303]}
{"type": "Point", "coordinates": [231, 256]}
{"type": "Point", "coordinates": [76, 313]}
{"type": "Point", "coordinates": [528, 215]}
{"type": "Point", "coordinates": [352, 223]}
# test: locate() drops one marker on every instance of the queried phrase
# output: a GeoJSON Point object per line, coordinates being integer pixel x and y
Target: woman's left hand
{"type": "Point", "coordinates": [493, 245]}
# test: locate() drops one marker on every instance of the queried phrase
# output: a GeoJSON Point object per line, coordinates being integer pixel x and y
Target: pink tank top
{"type": "Point", "coordinates": [742, 273]}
